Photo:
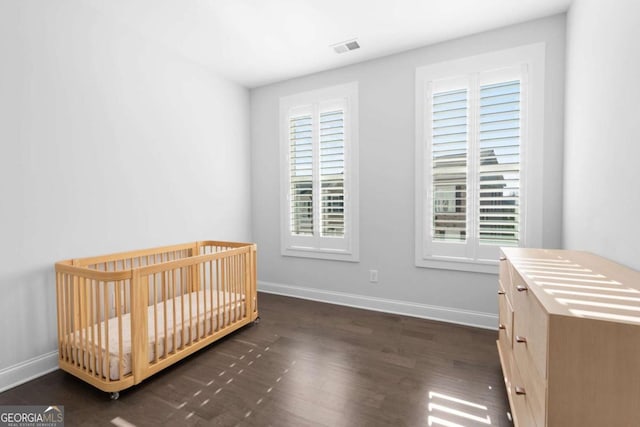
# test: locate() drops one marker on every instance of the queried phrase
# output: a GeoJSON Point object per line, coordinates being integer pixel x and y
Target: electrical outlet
{"type": "Point", "coordinates": [373, 276]}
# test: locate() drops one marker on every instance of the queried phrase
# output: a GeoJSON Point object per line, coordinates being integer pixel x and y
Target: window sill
{"type": "Point", "coordinates": [331, 255]}
{"type": "Point", "coordinates": [486, 267]}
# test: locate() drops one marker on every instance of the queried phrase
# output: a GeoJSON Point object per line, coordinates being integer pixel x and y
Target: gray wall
{"type": "Point", "coordinates": [107, 143]}
{"type": "Point", "coordinates": [387, 140]}
{"type": "Point", "coordinates": [602, 169]}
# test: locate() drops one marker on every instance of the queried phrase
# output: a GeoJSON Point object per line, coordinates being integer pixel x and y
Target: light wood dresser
{"type": "Point", "coordinates": [569, 338]}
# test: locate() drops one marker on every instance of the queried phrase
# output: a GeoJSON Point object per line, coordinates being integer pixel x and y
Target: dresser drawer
{"type": "Point", "coordinates": [530, 326]}
{"type": "Point", "coordinates": [506, 360]}
{"type": "Point", "coordinates": [505, 277]}
{"type": "Point", "coordinates": [533, 383]}
{"type": "Point", "coordinates": [520, 400]}
{"type": "Point", "coordinates": [505, 320]}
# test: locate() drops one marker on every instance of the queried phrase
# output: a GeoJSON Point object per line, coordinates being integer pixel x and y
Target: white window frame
{"type": "Point", "coordinates": [471, 255]}
{"type": "Point", "coordinates": [331, 248]}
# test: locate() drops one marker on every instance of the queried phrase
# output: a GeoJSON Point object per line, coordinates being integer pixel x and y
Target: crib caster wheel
{"type": "Point", "coordinates": [114, 395]}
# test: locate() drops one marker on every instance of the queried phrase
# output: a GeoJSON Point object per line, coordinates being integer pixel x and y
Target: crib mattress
{"type": "Point", "coordinates": [199, 321]}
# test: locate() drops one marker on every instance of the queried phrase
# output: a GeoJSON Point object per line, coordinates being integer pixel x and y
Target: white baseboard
{"type": "Point", "coordinates": [28, 370]}
{"type": "Point", "coordinates": [432, 312]}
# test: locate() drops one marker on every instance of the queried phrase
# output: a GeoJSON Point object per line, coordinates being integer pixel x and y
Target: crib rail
{"type": "Point", "coordinates": [123, 317]}
{"type": "Point", "coordinates": [85, 306]}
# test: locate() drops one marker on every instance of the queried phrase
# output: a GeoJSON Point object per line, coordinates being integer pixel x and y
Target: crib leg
{"type": "Point", "coordinates": [114, 395]}
{"type": "Point", "coordinates": [255, 322]}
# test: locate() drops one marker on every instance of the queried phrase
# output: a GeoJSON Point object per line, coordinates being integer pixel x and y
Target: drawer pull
{"type": "Point", "coordinates": [501, 326]}
{"type": "Point", "coordinates": [520, 390]}
{"type": "Point", "coordinates": [521, 288]}
{"type": "Point", "coordinates": [501, 292]}
{"type": "Point", "coordinates": [521, 339]}
{"type": "Point", "coordinates": [503, 258]}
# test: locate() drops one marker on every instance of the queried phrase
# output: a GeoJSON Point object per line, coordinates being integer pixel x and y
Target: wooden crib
{"type": "Point", "coordinates": [123, 317]}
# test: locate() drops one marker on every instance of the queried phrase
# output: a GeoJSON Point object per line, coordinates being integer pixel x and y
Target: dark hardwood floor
{"type": "Point", "coordinates": [306, 364]}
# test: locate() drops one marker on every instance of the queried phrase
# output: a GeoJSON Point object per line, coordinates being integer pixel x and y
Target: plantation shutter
{"type": "Point", "coordinates": [479, 140]}
{"type": "Point", "coordinates": [449, 152]}
{"type": "Point", "coordinates": [319, 174]}
{"type": "Point", "coordinates": [332, 173]}
{"type": "Point", "coordinates": [499, 166]}
{"type": "Point", "coordinates": [301, 175]}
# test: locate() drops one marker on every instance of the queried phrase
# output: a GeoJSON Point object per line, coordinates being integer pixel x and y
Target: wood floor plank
{"type": "Point", "coordinates": [306, 364]}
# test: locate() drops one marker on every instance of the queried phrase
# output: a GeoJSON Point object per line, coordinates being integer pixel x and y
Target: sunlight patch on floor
{"type": "Point", "coordinates": [449, 411]}
{"type": "Point", "coordinates": [121, 422]}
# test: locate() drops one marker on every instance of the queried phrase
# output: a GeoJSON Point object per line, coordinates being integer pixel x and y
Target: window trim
{"type": "Point", "coordinates": [533, 58]}
{"type": "Point", "coordinates": [348, 94]}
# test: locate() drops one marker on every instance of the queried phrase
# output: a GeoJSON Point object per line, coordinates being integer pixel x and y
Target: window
{"type": "Point", "coordinates": [478, 128]}
{"type": "Point", "coordinates": [319, 188]}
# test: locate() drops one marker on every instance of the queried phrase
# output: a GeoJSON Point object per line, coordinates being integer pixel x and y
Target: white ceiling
{"type": "Point", "coordinates": [256, 42]}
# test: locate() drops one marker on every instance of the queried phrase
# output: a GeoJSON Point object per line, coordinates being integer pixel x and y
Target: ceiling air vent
{"type": "Point", "coordinates": [346, 46]}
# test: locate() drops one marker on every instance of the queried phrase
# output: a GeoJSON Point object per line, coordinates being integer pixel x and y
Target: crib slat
{"type": "Point", "coordinates": [254, 281]}
{"type": "Point", "coordinates": [87, 326]}
{"type": "Point", "coordinates": [119, 314]}
{"type": "Point", "coordinates": [70, 330]}
{"type": "Point", "coordinates": [234, 311]}
{"type": "Point", "coordinates": [247, 283]}
{"type": "Point", "coordinates": [98, 309]}
{"type": "Point", "coordinates": [232, 288]}
{"type": "Point", "coordinates": [182, 310]}
{"type": "Point", "coordinates": [78, 319]}
{"type": "Point", "coordinates": [232, 297]}
{"type": "Point", "coordinates": [247, 279]}
{"type": "Point", "coordinates": [65, 314]}
{"type": "Point", "coordinates": [186, 273]}
{"type": "Point", "coordinates": [76, 322]}
{"type": "Point", "coordinates": [100, 328]}
{"type": "Point", "coordinates": [225, 262]}
{"type": "Point", "coordinates": [212, 314]}
{"type": "Point", "coordinates": [62, 310]}
{"type": "Point", "coordinates": [244, 261]}
{"type": "Point", "coordinates": [106, 371]}
{"type": "Point", "coordinates": [175, 318]}
{"type": "Point", "coordinates": [241, 289]}
{"type": "Point", "coordinates": [179, 308]}
{"type": "Point", "coordinates": [95, 323]}
{"type": "Point", "coordinates": [187, 294]}
{"type": "Point", "coordinates": [240, 285]}
{"type": "Point", "coordinates": [243, 282]}
{"type": "Point", "coordinates": [164, 304]}
{"type": "Point", "coordinates": [230, 274]}
{"type": "Point", "coordinates": [194, 276]}
{"type": "Point", "coordinates": [188, 281]}
{"type": "Point", "coordinates": [240, 292]}
{"type": "Point", "coordinates": [218, 286]}
{"type": "Point", "coordinates": [127, 296]}
{"type": "Point", "coordinates": [236, 286]}
{"type": "Point", "coordinates": [155, 315]}
{"type": "Point", "coordinates": [236, 283]}
{"type": "Point", "coordinates": [58, 305]}
{"type": "Point", "coordinates": [75, 319]}
{"type": "Point", "coordinates": [84, 332]}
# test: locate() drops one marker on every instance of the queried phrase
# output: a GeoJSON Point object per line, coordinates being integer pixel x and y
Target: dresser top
{"type": "Point", "coordinates": [580, 284]}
